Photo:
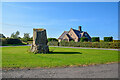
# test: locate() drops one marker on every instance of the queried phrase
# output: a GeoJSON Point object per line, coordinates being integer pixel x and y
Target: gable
{"type": "Point", "coordinates": [63, 34]}
{"type": "Point", "coordinates": [85, 34]}
{"type": "Point", "coordinates": [65, 37]}
{"type": "Point", "coordinates": [72, 34]}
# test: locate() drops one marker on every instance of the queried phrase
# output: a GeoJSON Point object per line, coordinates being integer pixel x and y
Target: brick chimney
{"type": "Point", "coordinates": [80, 28]}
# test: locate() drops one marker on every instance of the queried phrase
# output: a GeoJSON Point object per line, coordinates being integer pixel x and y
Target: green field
{"type": "Point", "coordinates": [19, 57]}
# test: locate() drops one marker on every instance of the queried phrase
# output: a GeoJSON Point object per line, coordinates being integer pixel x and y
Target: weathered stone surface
{"type": "Point", "coordinates": [39, 44]}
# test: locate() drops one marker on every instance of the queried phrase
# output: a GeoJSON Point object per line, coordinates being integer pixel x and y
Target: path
{"type": "Point", "coordinates": [68, 47]}
{"type": "Point", "coordinates": [95, 71]}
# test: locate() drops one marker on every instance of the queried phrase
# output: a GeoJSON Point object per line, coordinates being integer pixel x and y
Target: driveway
{"type": "Point", "coordinates": [69, 47]}
{"type": "Point", "coordinates": [94, 71]}
{"type": "Point", "coordinates": [86, 48]}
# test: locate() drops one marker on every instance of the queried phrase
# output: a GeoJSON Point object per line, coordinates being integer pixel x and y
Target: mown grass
{"type": "Point", "coordinates": [19, 57]}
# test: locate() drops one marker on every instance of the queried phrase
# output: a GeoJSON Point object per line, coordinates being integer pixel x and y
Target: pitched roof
{"type": "Point", "coordinates": [63, 34]}
{"type": "Point", "coordinates": [78, 33]}
{"type": "Point", "coordinates": [68, 36]}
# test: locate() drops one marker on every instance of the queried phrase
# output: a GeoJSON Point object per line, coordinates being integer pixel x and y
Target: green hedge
{"type": "Point", "coordinates": [13, 41]}
{"type": "Point", "coordinates": [95, 39]}
{"type": "Point", "coordinates": [83, 39]}
{"type": "Point", "coordinates": [10, 41]}
{"type": "Point", "coordinates": [53, 43]}
{"type": "Point", "coordinates": [108, 39]}
{"type": "Point", "coordinates": [91, 44]}
{"type": "Point", "coordinates": [52, 39]}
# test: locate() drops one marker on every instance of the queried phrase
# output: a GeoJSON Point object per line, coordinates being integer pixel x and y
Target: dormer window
{"type": "Point", "coordinates": [85, 34]}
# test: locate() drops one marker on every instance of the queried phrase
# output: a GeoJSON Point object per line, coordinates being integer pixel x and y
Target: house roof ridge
{"type": "Point", "coordinates": [66, 31]}
{"type": "Point", "coordinates": [63, 34]}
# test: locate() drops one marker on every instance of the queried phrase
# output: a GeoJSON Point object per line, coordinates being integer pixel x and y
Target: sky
{"type": "Point", "coordinates": [99, 19]}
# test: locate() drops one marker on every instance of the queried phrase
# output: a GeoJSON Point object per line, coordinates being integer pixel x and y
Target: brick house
{"type": "Point", "coordinates": [74, 35]}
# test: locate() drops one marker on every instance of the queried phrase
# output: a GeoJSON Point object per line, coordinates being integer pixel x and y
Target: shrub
{"type": "Point", "coordinates": [3, 41]}
{"type": "Point", "coordinates": [0, 42]}
{"type": "Point", "coordinates": [116, 40]}
{"type": "Point", "coordinates": [13, 41]}
{"type": "Point", "coordinates": [108, 39]}
{"type": "Point", "coordinates": [84, 39]}
{"type": "Point", "coordinates": [92, 44]}
{"type": "Point", "coordinates": [26, 37]}
{"type": "Point", "coordinates": [52, 39]}
{"type": "Point", "coordinates": [95, 39]}
{"type": "Point", "coordinates": [2, 36]}
{"type": "Point", "coordinates": [53, 43]}
{"type": "Point", "coordinates": [72, 41]}
{"type": "Point", "coordinates": [10, 41]}
{"type": "Point", "coordinates": [101, 40]}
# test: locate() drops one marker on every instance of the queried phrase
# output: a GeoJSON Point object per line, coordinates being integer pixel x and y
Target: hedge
{"type": "Point", "coordinates": [91, 44]}
{"type": "Point", "coordinates": [52, 39]}
{"type": "Point", "coordinates": [10, 41]}
{"type": "Point", "coordinates": [95, 39]}
{"type": "Point", "coordinates": [108, 39]}
{"type": "Point", "coordinates": [53, 43]}
{"type": "Point", "coordinates": [83, 39]}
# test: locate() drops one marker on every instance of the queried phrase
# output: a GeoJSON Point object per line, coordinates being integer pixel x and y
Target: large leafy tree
{"type": "Point", "coordinates": [26, 37]}
{"type": "Point", "coordinates": [52, 39]}
{"type": "Point", "coordinates": [2, 36]}
{"type": "Point", "coordinates": [15, 35]}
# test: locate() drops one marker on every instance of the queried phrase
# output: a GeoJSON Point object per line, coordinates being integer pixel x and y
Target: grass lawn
{"type": "Point", "coordinates": [19, 57]}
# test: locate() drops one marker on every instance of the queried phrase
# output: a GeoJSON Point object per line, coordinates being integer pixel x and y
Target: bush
{"type": "Point", "coordinates": [101, 40]}
{"type": "Point", "coordinates": [84, 39]}
{"type": "Point", "coordinates": [92, 44]}
{"type": "Point", "coordinates": [3, 41]}
{"type": "Point", "coordinates": [10, 41]}
{"type": "Point", "coordinates": [116, 40]}
{"type": "Point", "coordinates": [52, 39]}
{"type": "Point", "coordinates": [95, 39]}
{"type": "Point", "coordinates": [53, 43]}
{"type": "Point", "coordinates": [108, 39]}
{"type": "Point", "coordinates": [13, 41]}
{"type": "Point", "coordinates": [2, 36]}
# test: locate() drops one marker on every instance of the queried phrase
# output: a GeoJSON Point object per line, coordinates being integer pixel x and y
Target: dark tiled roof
{"type": "Point", "coordinates": [63, 34]}
{"type": "Point", "coordinates": [78, 33]}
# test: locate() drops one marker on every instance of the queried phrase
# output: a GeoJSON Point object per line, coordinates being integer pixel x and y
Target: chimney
{"type": "Point", "coordinates": [80, 28]}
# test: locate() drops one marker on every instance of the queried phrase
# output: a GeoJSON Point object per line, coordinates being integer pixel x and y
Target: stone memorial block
{"type": "Point", "coordinates": [39, 44]}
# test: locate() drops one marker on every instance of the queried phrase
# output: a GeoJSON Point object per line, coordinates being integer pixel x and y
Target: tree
{"type": "Point", "coordinates": [52, 39]}
{"type": "Point", "coordinates": [17, 33]}
{"type": "Point", "coordinates": [12, 35]}
{"type": "Point", "coordinates": [15, 36]}
{"type": "Point", "coordinates": [31, 39]}
{"type": "Point", "coordinates": [2, 36]}
{"type": "Point", "coordinates": [84, 39]}
{"type": "Point", "coordinates": [26, 37]}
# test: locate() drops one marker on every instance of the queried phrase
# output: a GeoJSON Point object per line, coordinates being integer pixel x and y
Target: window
{"type": "Point", "coordinates": [85, 35]}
